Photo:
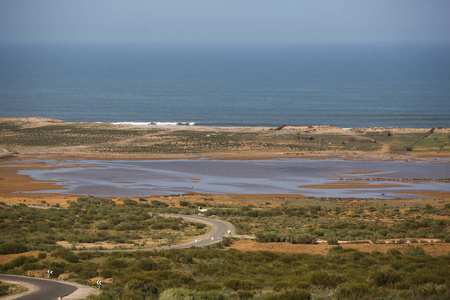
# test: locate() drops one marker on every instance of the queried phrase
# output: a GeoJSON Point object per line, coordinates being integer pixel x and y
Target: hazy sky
{"type": "Point", "coordinates": [225, 20]}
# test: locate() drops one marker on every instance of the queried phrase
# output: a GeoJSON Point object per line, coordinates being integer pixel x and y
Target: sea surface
{"type": "Point", "coordinates": [283, 176]}
{"type": "Point", "coordinates": [346, 85]}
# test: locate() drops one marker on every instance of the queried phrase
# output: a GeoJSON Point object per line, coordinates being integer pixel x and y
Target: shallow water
{"type": "Point", "coordinates": [166, 177]}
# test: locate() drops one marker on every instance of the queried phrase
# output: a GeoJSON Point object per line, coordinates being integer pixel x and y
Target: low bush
{"type": "Point", "coordinates": [238, 284]}
{"type": "Point", "coordinates": [4, 289]}
{"type": "Point", "coordinates": [66, 255]}
{"type": "Point", "coordinates": [156, 203]}
{"type": "Point", "coordinates": [352, 291]}
{"type": "Point", "coordinates": [295, 294]}
{"type": "Point", "coordinates": [333, 241]}
{"type": "Point", "coordinates": [324, 279]}
{"type": "Point", "coordinates": [384, 278]}
{"type": "Point", "coordinates": [414, 251]}
{"type": "Point", "coordinates": [186, 294]}
{"type": "Point", "coordinates": [13, 248]}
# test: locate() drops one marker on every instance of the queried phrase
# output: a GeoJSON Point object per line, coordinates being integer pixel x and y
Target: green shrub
{"type": "Point", "coordinates": [66, 254]}
{"type": "Point", "coordinates": [384, 278]}
{"type": "Point", "coordinates": [295, 294]}
{"type": "Point", "coordinates": [394, 252]}
{"type": "Point", "coordinates": [130, 202]}
{"type": "Point", "coordinates": [13, 248]}
{"type": "Point", "coordinates": [144, 287]}
{"type": "Point", "coordinates": [4, 289]}
{"type": "Point", "coordinates": [103, 226]}
{"type": "Point", "coordinates": [333, 241]}
{"type": "Point", "coordinates": [304, 239]}
{"type": "Point", "coordinates": [414, 251]}
{"type": "Point", "coordinates": [185, 294]}
{"type": "Point", "coordinates": [200, 225]}
{"type": "Point", "coordinates": [324, 279]}
{"type": "Point", "coordinates": [237, 284]}
{"type": "Point", "coordinates": [268, 238]}
{"type": "Point", "coordinates": [243, 295]}
{"type": "Point", "coordinates": [335, 249]}
{"type": "Point", "coordinates": [156, 203]}
{"type": "Point", "coordinates": [354, 291]}
{"type": "Point", "coordinates": [281, 285]}
{"type": "Point", "coordinates": [146, 265]}
{"type": "Point", "coordinates": [179, 279]}
{"type": "Point", "coordinates": [427, 291]}
{"type": "Point", "coordinates": [185, 203]}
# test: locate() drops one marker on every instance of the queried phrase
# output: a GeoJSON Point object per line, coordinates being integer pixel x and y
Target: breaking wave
{"type": "Point", "coordinates": [155, 123]}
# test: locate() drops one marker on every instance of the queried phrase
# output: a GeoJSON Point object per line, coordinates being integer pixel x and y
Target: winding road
{"type": "Point", "coordinates": [39, 289]}
{"type": "Point", "coordinates": [219, 229]}
{"type": "Point", "coordinates": [46, 289]}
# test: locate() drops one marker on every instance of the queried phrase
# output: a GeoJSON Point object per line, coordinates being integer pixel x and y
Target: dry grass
{"type": "Point", "coordinates": [248, 245]}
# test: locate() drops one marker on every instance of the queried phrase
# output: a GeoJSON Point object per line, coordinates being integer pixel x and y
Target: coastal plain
{"type": "Point", "coordinates": [416, 224]}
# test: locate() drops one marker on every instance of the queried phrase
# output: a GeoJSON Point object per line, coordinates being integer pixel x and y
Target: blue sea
{"type": "Point", "coordinates": [346, 85]}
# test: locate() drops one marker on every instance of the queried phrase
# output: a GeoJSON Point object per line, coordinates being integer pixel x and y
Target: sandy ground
{"type": "Point", "coordinates": [248, 245]}
{"type": "Point", "coordinates": [80, 153]}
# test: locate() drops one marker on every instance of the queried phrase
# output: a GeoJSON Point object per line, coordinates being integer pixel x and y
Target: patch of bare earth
{"type": "Point", "coordinates": [6, 258]}
{"type": "Point", "coordinates": [248, 245]}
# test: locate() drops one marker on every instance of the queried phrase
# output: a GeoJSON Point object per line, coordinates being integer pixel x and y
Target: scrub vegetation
{"type": "Point", "coordinates": [220, 272]}
{"type": "Point", "coordinates": [213, 273]}
{"type": "Point", "coordinates": [90, 222]}
{"type": "Point", "coordinates": [106, 138]}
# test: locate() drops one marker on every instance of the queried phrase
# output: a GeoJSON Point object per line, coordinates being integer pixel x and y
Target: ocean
{"type": "Point", "coordinates": [346, 85]}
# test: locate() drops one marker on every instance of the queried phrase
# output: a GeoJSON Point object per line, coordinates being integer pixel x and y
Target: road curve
{"type": "Point", "coordinates": [46, 289]}
{"type": "Point", "coordinates": [219, 229]}
{"type": "Point", "coordinates": [51, 289]}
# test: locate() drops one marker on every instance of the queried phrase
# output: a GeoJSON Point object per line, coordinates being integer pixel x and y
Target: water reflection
{"type": "Point", "coordinates": [288, 176]}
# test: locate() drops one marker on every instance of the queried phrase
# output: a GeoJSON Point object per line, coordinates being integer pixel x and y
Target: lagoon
{"type": "Point", "coordinates": [316, 178]}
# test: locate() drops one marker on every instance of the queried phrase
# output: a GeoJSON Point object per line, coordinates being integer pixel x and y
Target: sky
{"type": "Point", "coordinates": [224, 20]}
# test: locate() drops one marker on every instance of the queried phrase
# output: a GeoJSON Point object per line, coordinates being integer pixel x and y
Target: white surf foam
{"type": "Point", "coordinates": [155, 123]}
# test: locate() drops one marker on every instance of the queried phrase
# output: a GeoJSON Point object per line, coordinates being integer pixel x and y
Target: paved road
{"type": "Point", "coordinates": [50, 289]}
{"type": "Point", "coordinates": [218, 229]}
{"type": "Point", "coordinates": [47, 289]}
